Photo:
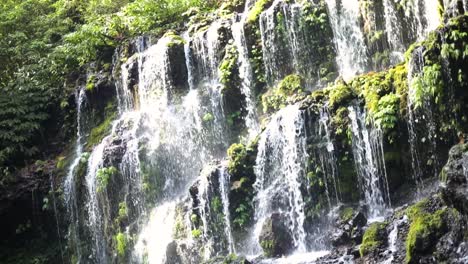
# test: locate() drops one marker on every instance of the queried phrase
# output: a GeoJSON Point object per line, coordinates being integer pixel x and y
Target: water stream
{"type": "Point", "coordinates": [351, 49]}
{"type": "Point", "coordinates": [280, 170]}
{"type": "Point", "coordinates": [370, 163]}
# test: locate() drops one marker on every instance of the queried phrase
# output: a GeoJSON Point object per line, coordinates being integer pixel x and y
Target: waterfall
{"type": "Point", "coordinates": [417, 117]}
{"type": "Point", "coordinates": [326, 156]}
{"type": "Point", "coordinates": [156, 235]}
{"type": "Point", "coordinates": [224, 180]}
{"type": "Point", "coordinates": [294, 43]}
{"type": "Point", "coordinates": [70, 184]}
{"type": "Point", "coordinates": [392, 239]}
{"type": "Point", "coordinates": [370, 164]}
{"type": "Point", "coordinates": [95, 221]}
{"type": "Point", "coordinates": [246, 74]}
{"type": "Point", "coordinates": [178, 140]}
{"type": "Point", "coordinates": [412, 134]}
{"type": "Point", "coordinates": [349, 40]}
{"type": "Point", "coordinates": [427, 17]}
{"type": "Point", "coordinates": [394, 31]}
{"type": "Point", "coordinates": [279, 170]}
{"type": "Point", "coordinates": [205, 48]}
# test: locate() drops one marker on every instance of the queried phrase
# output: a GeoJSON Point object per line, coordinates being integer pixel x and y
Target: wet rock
{"type": "Point", "coordinates": [177, 69]}
{"type": "Point", "coordinates": [172, 256]}
{"type": "Point", "coordinates": [349, 227]}
{"type": "Point", "coordinates": [231, 259]}
{"type": "Point", "coordinates": [454, 178]}
{"type": "Point", "coordinates": [340, 238]}
{"type": "Point", "coordinates": [275, 238]}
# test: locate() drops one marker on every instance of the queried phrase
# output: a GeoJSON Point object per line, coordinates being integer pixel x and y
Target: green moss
{"type": "Point", "coordinates": [257, 9]}
{"type": "Point", "coordinates": [289, 90]}
{"type": "Point", "coordinates": [339, 95]}
{"type": "Point", "coordinates": [372, 238]}
{"type": "Point", "coordinates": [237, 154]}
{"type": "Point", "coordinates": [91, 82]}
{"type": "Point", "coordinates": [121, 241]}
{"type": "Point", "coordinates": [123, 210]}
{"type": "Point", "coordinates": [229, 69]}
{"type": "Point", "coordinates": [208, 117]}
{"type": "Point", "coordinates": [196, 233]}
{"type": "Point", "coordinates": [346, 214]}
{"type": "Point", "coordinates": [241, 160]}
{"type": "Point", "coordinates": [176, 40]}
{"type": "Point", "coordinates": [425, 228]}
{"type": "Point", "coordinates": [98, 133]}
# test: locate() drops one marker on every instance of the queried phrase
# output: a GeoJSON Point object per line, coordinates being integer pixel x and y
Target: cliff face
{"type": "Point", "coordinates": [267, 129]}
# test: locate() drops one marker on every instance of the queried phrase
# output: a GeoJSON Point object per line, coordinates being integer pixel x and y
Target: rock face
{"type": "Point", "coordinates": [349, 227]}
{"type": "Point", "coordinates": [455, 178]}
{"type": "Point", "coordinates": [275, 238]}
{"type": "Point", "coordinates": [432, 230]}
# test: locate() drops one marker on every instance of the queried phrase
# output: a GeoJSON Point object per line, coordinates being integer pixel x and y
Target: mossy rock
{"type": "Point", "coordinates": [425, 229]}
{"type": "Point", "coordinates": [288, 91]}
{"type": "Point", "coordinates": [373, 238]}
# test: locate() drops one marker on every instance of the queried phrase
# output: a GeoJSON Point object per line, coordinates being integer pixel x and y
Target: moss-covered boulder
{"type": "Point", "coordinates": [275, 238]}
{"type": "Point", "coordinates": [374, 237]}
{"type": "Point", "coordinates": [454, 177]}
{"type": "Point", "coordinates": [290, 90]}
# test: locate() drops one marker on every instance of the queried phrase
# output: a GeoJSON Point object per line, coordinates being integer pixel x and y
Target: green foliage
{"type": "Point", "coordinates": [268, 247]}
{"type": "Point", "coordinates": [208, 117]}
{"type": "Point", "coordinates": [121, 242]}
{"type": "Point", "coordinates": [339, 95]}
{"type": "Point", "coordinates": [90, 83]}
{"type": "Point", "coordinates": [237, 154]}
{"type": "Point", "coordinates": [288, 91]}
{"type": "Point", "coordinates": [229, 69]}
{"type": "Point", "coordinates": [103, 176]}
{"type": "Point", "coordinates": [241, 161]}
{"type": "Point", "coordinates": [196, 233]}
{"type": "Point", "coordinates": [257, 9]}
{"type": "Point", "coordinates": [123, 211]}
{"type": "Point", "coordinates": [216, 204]}
{"type": "Point", "coordinates": [429, 83]}
{"type": "Point", "coordinates": [372, 238]}
{"type": "Point", "coordinates": [386, 115]}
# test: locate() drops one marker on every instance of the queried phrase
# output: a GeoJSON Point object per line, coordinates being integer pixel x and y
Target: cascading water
{"type": "Point", "coordinates": [95, 221]}
{"type": "Point", "coordinates": [224, 180]}
{"type": "Point", "coordinates": [426, 15]}
{"type": "Point", "coordinates": [370, 163]}
{"type": "Point", "coordinates": [169, 131]}
{"type": "Point", "coordinates": [326, 156]}
{"type": "Point", "coordinates": [70, 185]}
{"type": "Point", "coordinates": [392, 239]}
{"type": "Point", "coordinates": [180, 140]}
{"type": "Point", "coordinates": [151, 248]}
{"type": "Point", "coordinates": [352, 56]}
{"type": "Point", "coordinates": [280, 169]}
{"type": "Point", "coordinates": [394, 31]}
{"type": "Point", "coordinates": [245, 73]}
{"type": "Point", "coordinates": [417, 116]}
{"type": "Point", "coordinates": [211, 206]}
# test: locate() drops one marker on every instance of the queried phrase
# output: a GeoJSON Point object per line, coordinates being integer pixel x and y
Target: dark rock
{"type": "Point", "coordinates": [172, 256]}
{"type": "Point", "coordinates": [275, 238]}
{"type": "Point", "coordinates": [454, 178]}
{"type": "Point", "coordinates": [359, 219]}
{"type": "Point", "coordinates": [339, 238]}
